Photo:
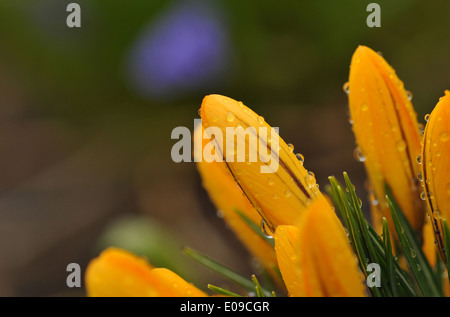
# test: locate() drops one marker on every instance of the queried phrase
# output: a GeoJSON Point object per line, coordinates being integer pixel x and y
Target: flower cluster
{"type": "Point", "coordinates": [306, 246]}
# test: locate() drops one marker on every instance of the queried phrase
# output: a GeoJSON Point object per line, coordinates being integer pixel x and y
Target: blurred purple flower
{"type": "Point", "coordinates": [183, 50]}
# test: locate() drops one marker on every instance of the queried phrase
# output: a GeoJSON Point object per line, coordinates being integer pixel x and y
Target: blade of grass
{"type": "Point", "coordinates": [222, 270]}
{"type": "Point", "coordinates": [447, 245]}
{"type": "Point", "coordinates": [389, 258]}
{"type": "Point", "coordinates": [255, 227]}
{"type": "Point", "coordinates": [222, 291]}
{"type": "Point", "coordinates": [417, 261]}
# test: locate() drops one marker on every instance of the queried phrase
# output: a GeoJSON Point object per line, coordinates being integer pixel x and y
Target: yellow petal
{"type": "Point", "coordinates": [118, 273]}
{"type": "Point", "coordinates": [228, 197]}
{"type": "Point", "coordinates": [267, 170]}
{"type": "Point", "coordinates": [429, 247]}
{"type": "Point", "coordinates": [386, 131]}
{"type": "Point", "coordinates": [436, 167]}
{"type": "Point", "coordinates": [322, 262]}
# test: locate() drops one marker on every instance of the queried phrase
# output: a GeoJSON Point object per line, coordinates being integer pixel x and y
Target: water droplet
{"type": "Point", "coordinates": [419, 159]}
{"type": "Point", "coordinates": [300, 158]}
{"type": "Point", "coordinates": [214, 119]}
{"type": "Point", "coordinates": [413, 253]}
{"type": "Point", "coordinates": [261, 120]}
{"type": "Point", "coordinates": [275, 196]}
{"type": "Point", "coordinates": [444, 137]}
{"type": "Point", "coordinates": [427, 117]}
{"type": "Point", "coordinates": [287, 193]}
{"type": "Point", "coordinates": [220, 213]}
{"type": "Point", "coordinates": [271, 181]}
{"type": "Point", "coordinates": [401, 145]}
{"type": "Point", "coordinates": [423, 196]}
{"type": "Point", "coordinates": [379, 53]}
{"type": "Point", "coordinates": [310, 180]}
{"type": "Point", "coordinates": [200, 112]}
{"type": "Point", "coordinates": [437, 214]}
{"type": "Point", "coordinates": [364, 107]}
{"type": "Point", "coordinates": [230, 117]}
{"type": "Point", "coordinates": [290, 148]}
{"type": "Point", "coordinates": [346, 88]}
{"type": "Point", "coordinates": [357, 154]}
{"type": "Point", "coordinates": [419, 176]}
{"type": "Point", "coordinates": [409, 94]}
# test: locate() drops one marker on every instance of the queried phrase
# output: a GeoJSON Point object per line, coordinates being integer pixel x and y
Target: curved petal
{"type": "Point", "coordinates": [386, 131]}
{"type": "Point", "coordinates": [322, 262]}
{"type": "Point", "coordinates": [119, 273]}
{"type": "Point", "coordinates": [269, 173]}
{"type": "Point", "coordinates": [228, 198]}
{"type": "Point", "coordinates": [436, 167]}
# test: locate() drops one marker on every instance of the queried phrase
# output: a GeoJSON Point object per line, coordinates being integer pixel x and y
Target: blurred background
{"type": "Point", "coordinates": [86, 116]}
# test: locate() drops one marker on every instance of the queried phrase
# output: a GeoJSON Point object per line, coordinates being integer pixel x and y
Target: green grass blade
{"type": "Point", "coordinates": [389, 259]}
{"type": "Point", "coordinates": [412, 250]}
{"type": "Point", "coordinates": [255, 227]}
{"type": "Point", "coordinates": [447, 245]}
{"type": "Point", "coordinates": [222, 291]}
{"type": "Point", "coordinates": [222, 270]}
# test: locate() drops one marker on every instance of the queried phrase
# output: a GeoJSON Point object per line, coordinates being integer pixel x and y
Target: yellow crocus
{"type": "Point", "coordinates": [229, 199]}
{"type": "Point", "coordinates": [279, 192]}
{"type": "Point", "coordinates": [387, 134]}
{"type": "Point", "coordinates": [435, 167]}
{"type": "Point", "coordinates": [119, 273]}
{"type": "Point", "coordinates": [315, 257]}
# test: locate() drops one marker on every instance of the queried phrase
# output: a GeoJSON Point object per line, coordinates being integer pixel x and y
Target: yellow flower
{"type": "Point", "coordinates": [118, 273]}
{"type": "Point", "coordinates": [315, 257]}
{"type": "Point", "coordinates": [269, 173]}
{"type": "Point", "coordinates": [387, 134]}
{"type": "Point", "coordinates": [435, 167]}
{"type": "Point", "coordinates": [229, 199]}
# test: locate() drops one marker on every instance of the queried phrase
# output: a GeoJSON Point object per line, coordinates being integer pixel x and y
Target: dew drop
{"type": "Point", "coordinates": [214, 119]}
{"type": "Point", "coordinates": [300, 158]}
{"type": "Point", "coordinates": [437, 215]}
{"type": "Point", "coordinates": [275, 196]}
{"type": "Point", "coordinates": [409, 94]}
{"type": "Point", "coordinates": [427, 117]}
{"type": "Point", "coordinates": [423, 196]}
{"type": "Point", "coordinates": [261, 120]}
{"type": "Point", "coordinates": [200, 112]}
{"type": "Point", "coordinates": [419, 159]}
{"type": "Point", "coordinates": [364, 107]}
{"type": "Point", "coordinates": [419, 176]}
{"type": "Point", "coordinates": [271, 181]}
{"type": "Point", "coordinates": [444, 137]}
{"type": "Point", "coordinates": [230, 117]}
{"type": "Point", "coordinates": [220, 213]}
{"type": "Point", "coordinates": [346, 88]}
{"type": "Point", "coordinates": [287, 193]}
{"type": "Point", "coordinates": [357, 154]}
{"type": "Point", "coordinates": [290, 148]}
{"type": "Point", "coordinates": [401, 145]}
{"type": "Point", "coordinates": [413, 253]}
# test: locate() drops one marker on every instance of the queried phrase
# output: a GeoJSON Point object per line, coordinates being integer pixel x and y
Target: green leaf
{"type": "Point", "coordinates": [223, 270]}
{"type": "Point", "coordinates": [255, 227]}
{"type": "Point", "coordinates": [447, 245]}
{"type": "Point", "coordinates": [390, 259]}
{"type": "Point", "coordinates": [222, 291]}
{"type": "Point", "coordinates": [258, 288]}
{"type": "Point", "coordinates": [412, 250]}
{"type": "Point", "coordinates": [367, 244]}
